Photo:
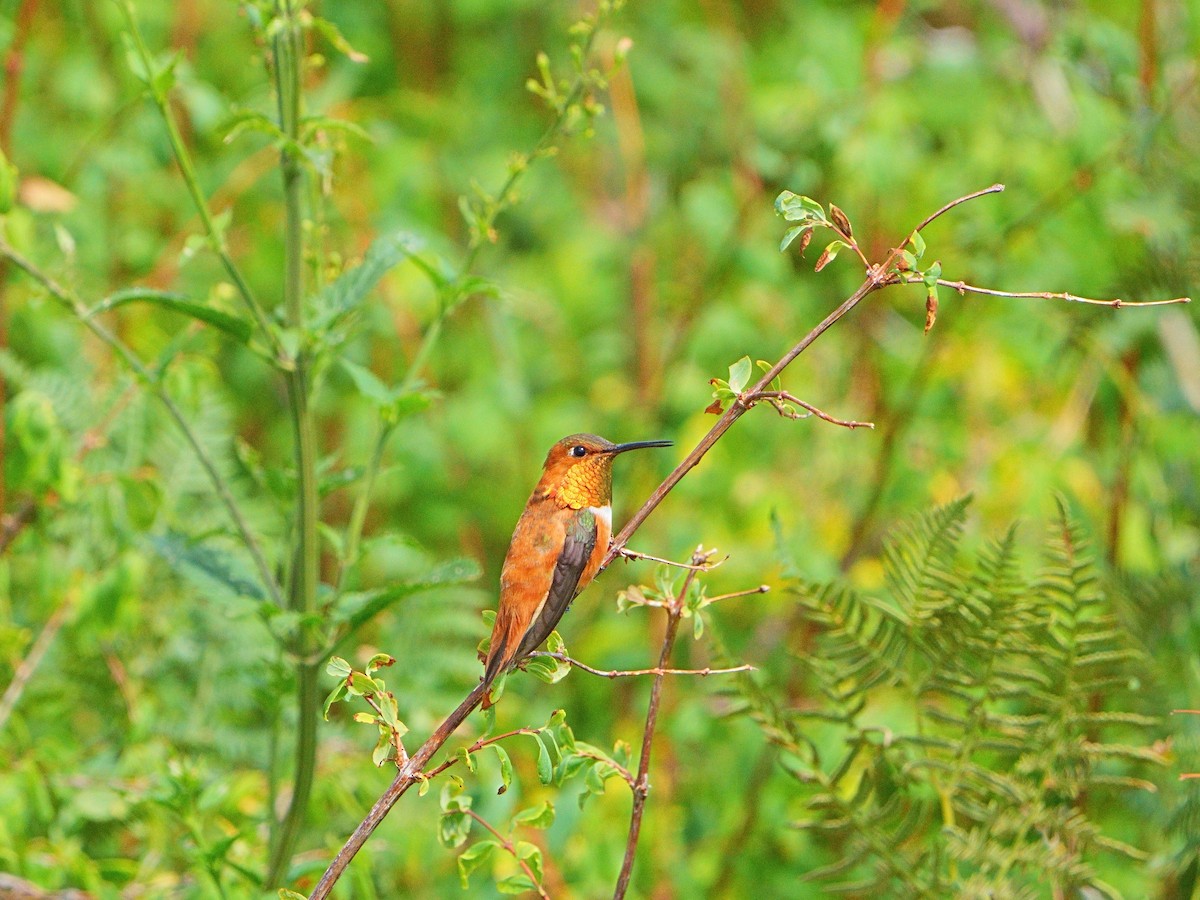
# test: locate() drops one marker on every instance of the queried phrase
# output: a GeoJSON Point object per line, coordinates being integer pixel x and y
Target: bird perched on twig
{"type": "Point", "coordinates": [556, 548]}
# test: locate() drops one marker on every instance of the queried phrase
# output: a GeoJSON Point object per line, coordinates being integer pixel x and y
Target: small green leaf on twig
{"type": "Point", "coordinates": [541, 816]}
{"type": "Point", "coordinates": [739, 374]}
{"type": "Point", "coordinates": [545, 768]}
{"type": "Point", "coordinates": [338, 693]}
{"type": "Point", "coordinates": [472, 858]}
{"type": "Point", "coordinates": [918, 244]}
{"type": "Point", "coordinates": [506, 768]}
{"type": "Point", "coordinates": [798, 208]}
{"type": "Point", "coordinates": [777, 381]}
{"type": "Point", "coordinates": [931, 275]}
{"type": "Point", "coordinates": [804, 232]}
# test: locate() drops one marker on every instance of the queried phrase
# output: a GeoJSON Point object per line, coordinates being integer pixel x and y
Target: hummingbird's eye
{"type": "Point", "coordinates": [578, 450]}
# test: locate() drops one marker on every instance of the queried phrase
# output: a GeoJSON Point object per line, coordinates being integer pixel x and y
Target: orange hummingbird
{"type": "Point", "coordinates": [556, 548]}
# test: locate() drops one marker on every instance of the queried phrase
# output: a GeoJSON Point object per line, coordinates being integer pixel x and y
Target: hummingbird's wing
{"type": "Point", "coordinates": [577, 551]}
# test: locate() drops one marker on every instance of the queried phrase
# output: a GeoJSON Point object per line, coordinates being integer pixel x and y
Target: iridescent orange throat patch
{"type": "Point", "coordinates": [587, 483]}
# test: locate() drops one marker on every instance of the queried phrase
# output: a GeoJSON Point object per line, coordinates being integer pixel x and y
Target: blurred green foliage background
{"type": "Point", "coordinates": [638, 263]}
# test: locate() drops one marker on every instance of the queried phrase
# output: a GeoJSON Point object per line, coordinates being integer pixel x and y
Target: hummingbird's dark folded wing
{"type": "Point", "coordinates": [576, 553]}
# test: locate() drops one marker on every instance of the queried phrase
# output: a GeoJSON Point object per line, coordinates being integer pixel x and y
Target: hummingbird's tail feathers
{"type": "Point", "coordinates": [506, 635]}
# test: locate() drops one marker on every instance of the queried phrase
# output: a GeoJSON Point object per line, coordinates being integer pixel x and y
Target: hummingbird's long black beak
{"type": "Point", "coordinates": [638, 445]}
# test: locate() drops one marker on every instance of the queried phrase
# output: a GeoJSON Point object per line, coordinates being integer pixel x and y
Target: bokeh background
{"type": "Point", "coordinates": [640, 262]}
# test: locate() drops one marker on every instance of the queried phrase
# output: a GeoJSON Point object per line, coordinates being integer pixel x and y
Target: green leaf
{"type": "Point", "coordinates": [217, 565]}
{"type": "Point", "coordinates": [798, 208]}
{"type": "Point", "coordinates": [474, 857]}
{"type": "Point", "coordinates": [239, 329]}
{"type": "Point", "coordinates": [548, 670]}
{"type": "Point", "coordinates": [545, 768]}
{"type": "Point", "coordinates": [917, 243]}
{"type": "Point", "coordinates": [334, 696]}
{"type": "Point", "coordinates": [739, 374]}
{"type": "Point", "coordinates": [368, 383]}
{"type": "Point", "coordinates": [516, 884]}
{"type": "Point", "coordinates": [357, 608]}
{"type": "Point", "coordinates": [454, 829]}
{"type": "Point", "coordinates": [467, 758]}
{"type": "Point", "coordinates": [697, 626]}
{"type": "Point", "coordinates": [384, 749]}
{"type": "Point", "coordinates": [248, 120]}
{"type": "Point", "coordinates": [547, 737]}
{"type": "Point", "coordinates": [532, 855]}
{"type": "Point", "coordinates": [791, 234]}
{"type": "Point", "coordinates": [379, 661]}
{"type": "Point", "coordinates": [330, 32]}
{"type": "Point", "coordinates": [358, 684]}
{"type": "Point", "coordinates": [596, 775]}
{"type": "Point", "coordinates": [506, 768]}
{"type": "Point", "coordinates": [347, 293]}
{"type": "Point", "coordinates": [541, 816]}
{"type": "Point", "coordinates": [777, 381]}
{"type": "Point", "coordinates": [365, 717]}
{"type": "Point", "coordinates": [338, 667]}
{"type": "Point", "coordinates": [390, 711]}
{"type": "Point", "coordinates": [285, 894]}
{"type": "Point", "coordinates": [312, 125]}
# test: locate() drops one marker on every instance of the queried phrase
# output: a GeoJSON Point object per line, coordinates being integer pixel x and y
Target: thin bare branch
{"type": "Point", "coordinates": [994, 189]}
{"type": "Point", "coordinates": [641, 787]}
{"type": "Point", "coordinates": [780, 399]}
{"type": "Point", "coordinates": [761, 589]}
{"type": "Point", "coordinates": [634, 554]}
{"type": "Point", "coordinates": [633, 673]}
{"type": "Point", "coordinates": [963, 288]}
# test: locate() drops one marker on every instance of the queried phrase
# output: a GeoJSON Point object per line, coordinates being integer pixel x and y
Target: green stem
{"type": "Point", "coordinates": [305, 571]}
{"type": "Point", "coordinates": [358, 516]}
{"type": "Point", "coordinates": [503, 200]}
{"type": "Point", "coordinates": [76, 306]}
{"type": "Point", "coordinates": [183, 159]}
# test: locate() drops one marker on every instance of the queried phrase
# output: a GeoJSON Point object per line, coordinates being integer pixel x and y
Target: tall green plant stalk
{"type": "Point", "coordinates": [288, 53]}
{"type": "Point", "coordinates": [158, 80]}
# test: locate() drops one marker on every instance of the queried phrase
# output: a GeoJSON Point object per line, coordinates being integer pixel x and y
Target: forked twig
{"type": "Point", "coordinates": [780, 400]}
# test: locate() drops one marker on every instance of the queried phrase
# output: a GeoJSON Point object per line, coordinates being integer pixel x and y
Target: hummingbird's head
{"type": "Point", "coordinates": [578, 469]}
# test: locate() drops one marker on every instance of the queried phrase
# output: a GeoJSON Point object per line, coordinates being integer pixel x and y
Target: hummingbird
{"type": "Point", "coordinates": [556, 548]}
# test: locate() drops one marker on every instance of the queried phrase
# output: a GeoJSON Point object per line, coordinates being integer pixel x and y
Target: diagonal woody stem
{"type": "Point", "coordinates": [878, 276]}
